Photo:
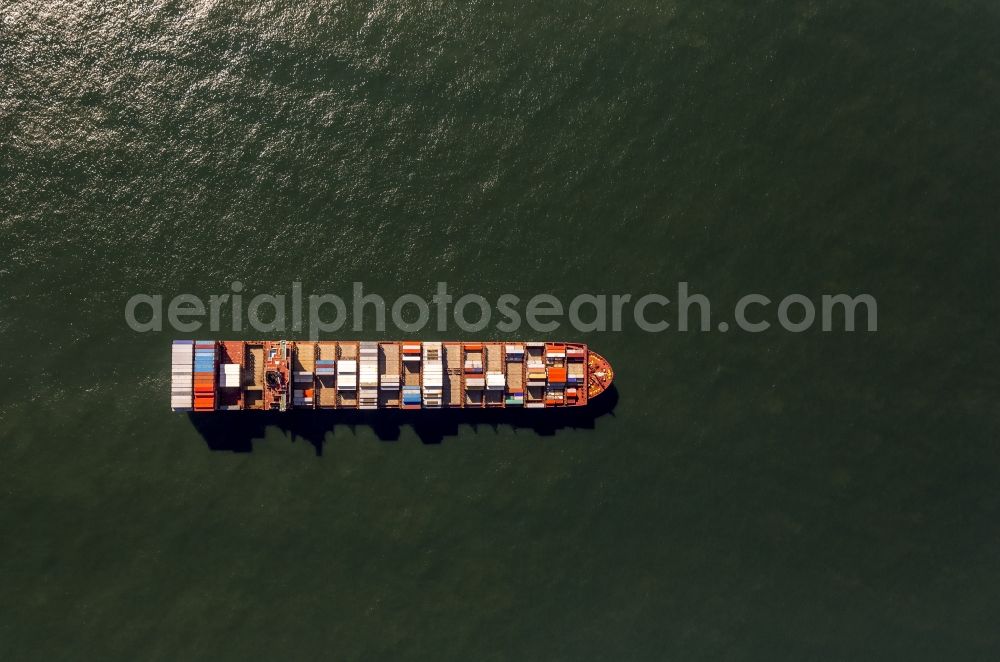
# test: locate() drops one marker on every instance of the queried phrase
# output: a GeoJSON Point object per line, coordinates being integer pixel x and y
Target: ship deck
{"type": "Point", "coordinates": [390, 375]}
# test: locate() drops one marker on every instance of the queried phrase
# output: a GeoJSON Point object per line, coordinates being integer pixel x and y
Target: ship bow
{"type": "Point", "coordinates": [600, 374]}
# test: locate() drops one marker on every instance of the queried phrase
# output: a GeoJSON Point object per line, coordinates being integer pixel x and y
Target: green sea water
{"type": "Point", "coordinates": [773, 496]}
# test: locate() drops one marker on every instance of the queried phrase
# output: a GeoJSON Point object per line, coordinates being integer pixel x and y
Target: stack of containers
{"type": "Point", "coordinates": [514, 399]}
{"type": "Point", "coordinates": [347, 375]}
{"type": "Point", "coordinates": [572, 395]}
{"type": "Point", "coordinates": [536, 366]}
{"type": "Point", "coordinates": [577, 368]}
{"type": "Point", "coordinates": [204, 375]}
{"type": "Point", "coordinates": [555, 359]}
{"type": "Point", "coordinates": [181, 366]}
{"type": "Point", "coordinates": [433, 375]}
{"type": "Point", "coordinates": [303, 397]}
{"type": "Point", "coordinates": [555, 352]}
{"type": "Point", "coordinates": [515, 355]}
{"type": "Point", "coordinates": [474, 366]}
{"type": "Point", "coordinates": [326, 367]}
{"type": "Point", "coordinates": [368, 396]}
{"type": "Point", "coordinates": [411, 352]}
{"type": "Point", "coordinates": [230, 375]}
{"type": "Point", "coordinates": [474, 358]}
{"type": "Point", "coordinates": [514, 352]}
{"type": "Point", "coordinates": [411, 395]}
{"type": "Point", "coordinates": [576, 374]}
{"type": "Point", "coordinates": [554, 396]}
{"type": "Point", "coordinates": [556, 375]}
{"type": "Point", "coordinates": [389, 382]}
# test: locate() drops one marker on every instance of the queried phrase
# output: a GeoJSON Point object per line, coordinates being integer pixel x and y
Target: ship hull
{"type": "Point", "coordinates": [211, 375]}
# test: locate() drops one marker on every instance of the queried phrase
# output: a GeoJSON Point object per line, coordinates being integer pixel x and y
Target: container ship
{"type": "Point", "coordinates": [229, 375]}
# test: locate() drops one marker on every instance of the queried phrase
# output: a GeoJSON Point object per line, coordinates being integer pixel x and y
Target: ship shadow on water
{"type": "Point", "coordinates": [236, 431]}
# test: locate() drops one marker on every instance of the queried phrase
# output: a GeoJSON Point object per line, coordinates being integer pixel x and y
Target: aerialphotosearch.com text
{"type": "Point", "coordinates": [319, 314]}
